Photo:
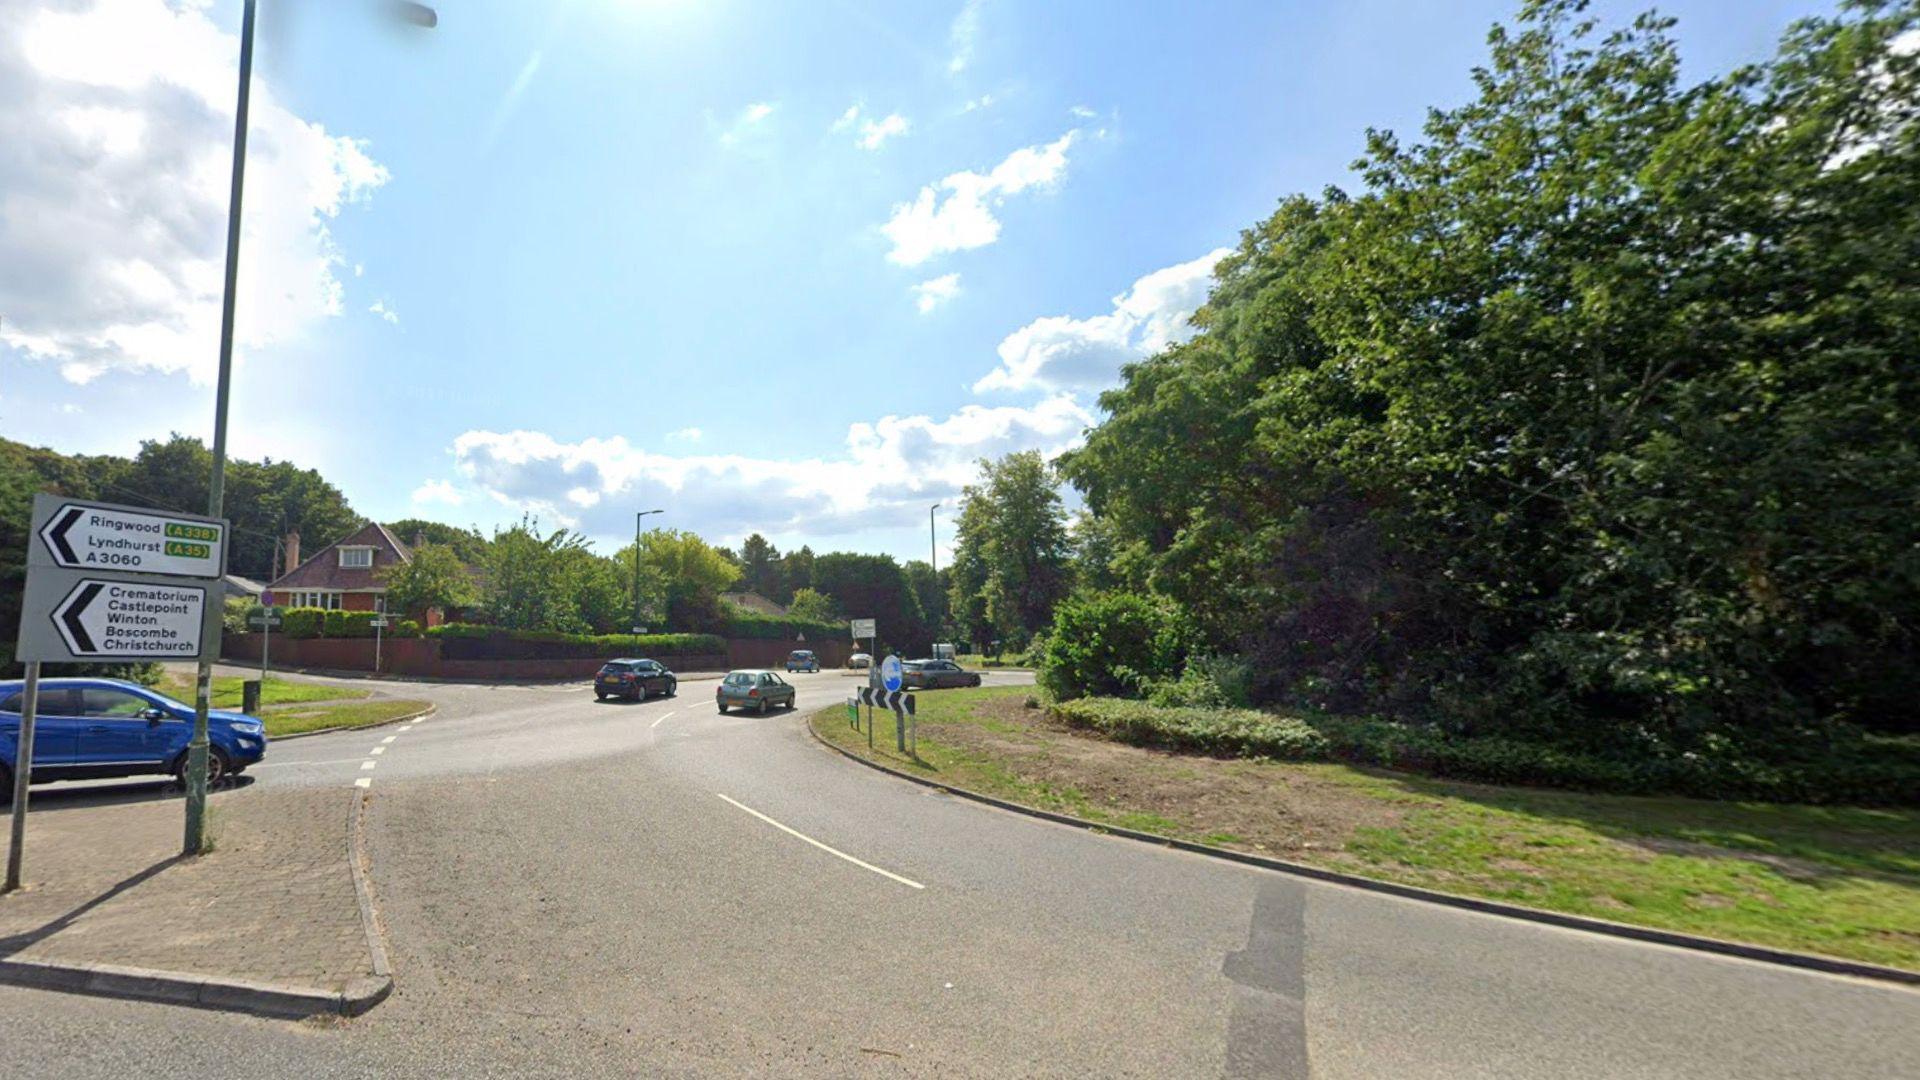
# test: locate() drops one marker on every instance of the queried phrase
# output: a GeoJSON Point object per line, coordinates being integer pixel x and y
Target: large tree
{"type": "Point", "coordinates": [435, 578]}
{"type": "Point", "coordinates": [874, 587]}
{"type": "Point", "coordinates": [760, 567]}
{"type": "Point", "coordinates": [691, 574]}
{"type": "Point", "coordinates": [1591, 416]}
{"type": "Point", "coordinates": [1012, 548]}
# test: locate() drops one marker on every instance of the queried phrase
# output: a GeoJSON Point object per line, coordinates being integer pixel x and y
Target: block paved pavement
{"type": "Point", "coordinates": [105, 883]}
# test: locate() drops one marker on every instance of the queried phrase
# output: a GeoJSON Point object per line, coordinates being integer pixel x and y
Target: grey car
{"type": "Point", "coordinates": [933, 674]}
{"type": "Point", "coordinates": [757, 690]}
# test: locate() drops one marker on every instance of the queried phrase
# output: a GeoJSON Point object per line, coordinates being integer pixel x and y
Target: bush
{"type": "Point", "coordinates": [1859, 770]}
{"type": "Point", "coordinates": [488, 642]}
{"type": "Point", "coordinates": [303, 622]}
{"type": "Point", "coordinates": [1226, 732]}
{"type": "Point", "coordinates": [749, 624]}
{"type": "Point", "coordinates": [1114, 645]}
{"type": "Point", "coordinates": [1211, 681]}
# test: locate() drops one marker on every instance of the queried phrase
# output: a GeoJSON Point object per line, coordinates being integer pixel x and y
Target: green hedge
{"type": "Point", "coordinates": [1848, 769]}
{"type": "Point", "coordinates": [644, 644]}
{"type": "Point", "coordinates": [308, 622]}
{"type": "Point", "coordinates": [1230, 732]}
{"type": "Point", "coordinates": [748, 624]}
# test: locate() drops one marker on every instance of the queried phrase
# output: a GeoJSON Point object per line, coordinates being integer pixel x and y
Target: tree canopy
{"type": "Point", "coordinates": [1593, 413]}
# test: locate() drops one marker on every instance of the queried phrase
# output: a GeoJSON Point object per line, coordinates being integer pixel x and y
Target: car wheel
{"type": "Point", "coordinates": [723, 710]}
{"type": "Point", "coordinates": [598, 696]}
{"type": "Point", "coordinates": [763, 706]}
{"type": "Point", "coordinates": [216, 766]}
{"type": "Point", "coordinates": [640, 692]}
{"type": "Point", "coordinates": [673, 687]}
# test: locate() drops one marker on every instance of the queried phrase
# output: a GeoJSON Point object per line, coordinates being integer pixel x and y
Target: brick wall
{"type": "Point", "coordinates": [422, 657]}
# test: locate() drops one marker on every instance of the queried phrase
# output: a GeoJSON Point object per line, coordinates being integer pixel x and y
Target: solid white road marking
{"type": "Point", "coordinates": [365, 781]}
{"type": "Point", "coordinates": [388, 739]}
{"type": "Point", "coordinates": [663, 716]}
{"type": "Point", "coordinates": [378, 750]}
{"type": "Point", "coordinates": [368, 764]}
{"type": "Point", "coordinates": [823, 847]}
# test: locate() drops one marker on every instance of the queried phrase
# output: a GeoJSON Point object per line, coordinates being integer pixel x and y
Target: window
{"type": "Point", "coordinates": [356, 558]}
{"type": "Point", "coordinates": [118, 704]}
{"type": "Point", "coordinates": [314, 598]}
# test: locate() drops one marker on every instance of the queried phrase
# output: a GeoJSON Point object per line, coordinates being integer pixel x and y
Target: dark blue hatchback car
{"type": "Point", "coordinates": [88, 728]}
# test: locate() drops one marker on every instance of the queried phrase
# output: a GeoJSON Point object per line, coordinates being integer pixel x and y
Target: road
{"type": "Point", "coordinates": [570, 887]}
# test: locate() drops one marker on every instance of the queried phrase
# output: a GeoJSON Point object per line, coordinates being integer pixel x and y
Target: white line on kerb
{"type": "Point", "coordinates": [378, 750]}
{"type": "Point", "coordinates": [388, 739]}
{"type": "Point", "coordinates": [663, 716]}
{"type": "Point", "coordinates": [368, 764]}
{"type": "Point", "coordinates": [823, 847]}
{"type": "Point", "coordinates": [365, 781]}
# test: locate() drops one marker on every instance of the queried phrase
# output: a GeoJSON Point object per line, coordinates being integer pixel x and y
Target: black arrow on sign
{"type": "Point", "coordinates": [70, 615]}
{"type": "Point", "coordinates": [56, 534]}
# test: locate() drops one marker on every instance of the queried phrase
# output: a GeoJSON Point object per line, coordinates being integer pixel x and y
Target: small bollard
{"type": "Point", "coordinates": [250, 697]}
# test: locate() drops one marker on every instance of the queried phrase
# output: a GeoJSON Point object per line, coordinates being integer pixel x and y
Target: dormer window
{"type": "Point", "coordinates": [356, 558]}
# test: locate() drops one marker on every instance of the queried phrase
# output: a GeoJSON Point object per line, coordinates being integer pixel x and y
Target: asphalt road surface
{"type": "Point", "coordinates": [576, 888]}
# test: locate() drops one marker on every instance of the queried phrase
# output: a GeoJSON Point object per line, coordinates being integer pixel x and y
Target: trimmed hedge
{"type": "Point", "coordinates": [1850, 769]}
{"type": "Point", "coordinates": [469, 641]}
{"type": "Point", "coordinates": [747, 624]}
{"type": "Point", "coordinates": [307, 622]}
{"type": "Point", "coordinates": [1226, 732]}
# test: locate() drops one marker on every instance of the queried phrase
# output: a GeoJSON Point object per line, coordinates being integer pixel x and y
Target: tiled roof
{"type": "Point", "coordinates": [323, 570]}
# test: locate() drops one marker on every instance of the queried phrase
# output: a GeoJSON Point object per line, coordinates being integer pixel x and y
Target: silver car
{"type": "Point", "coordinates": [756, 690]}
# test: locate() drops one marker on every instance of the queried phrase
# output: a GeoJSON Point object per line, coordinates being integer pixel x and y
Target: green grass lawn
{"type": "Point", "coordinates": [1836, 880]}
{"type": "Point", "coordinates": [292, 719]}
{"type": "Point", "coordinates": [226, 691]}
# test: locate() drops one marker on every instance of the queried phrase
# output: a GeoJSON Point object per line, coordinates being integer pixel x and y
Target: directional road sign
{"type": "Point", "coordinates": [86, 535]}
{"type": "Point", "coordinates": [890, 675]}
{"type": "Point", "coordinates": [862, 628]}
{"type": "Point", "coordinates": [86, 615]}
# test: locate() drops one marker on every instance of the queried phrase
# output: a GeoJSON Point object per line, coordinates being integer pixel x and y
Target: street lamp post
{"type": "Point", "coordinates": [636, 564]}
{"type": "Point", "coordinates": [419, 15]}
{"type": "Point", "coordinates": [933, 559]}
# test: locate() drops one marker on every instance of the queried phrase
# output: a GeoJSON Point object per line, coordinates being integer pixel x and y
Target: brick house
{"type": "Point", "coordinates": [344, 575]}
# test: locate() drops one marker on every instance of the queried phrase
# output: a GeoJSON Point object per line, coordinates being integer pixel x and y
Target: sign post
{"type": "Point", "coordinates": [379, 624]}
{"type": "Point", "coordinates": [107, 582]}
{"type": "Point", "coordinates": [266, 620]}
{"type": "Point", "coordinates": [891, 677]}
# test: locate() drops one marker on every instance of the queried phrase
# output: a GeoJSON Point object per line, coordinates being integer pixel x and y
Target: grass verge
{"type": "Point", "coordinates": [293, 719]}
{"type": "Point", "coordinates": [226, 691]}
{"type": "Point", "coordinates": [1843, 881]}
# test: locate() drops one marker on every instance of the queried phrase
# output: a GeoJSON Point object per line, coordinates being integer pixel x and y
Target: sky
{"type": "Point", "coordinates": [788, 268]}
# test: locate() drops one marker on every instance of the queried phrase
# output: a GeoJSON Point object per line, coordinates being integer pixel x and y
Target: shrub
{"type": "Point", "coordinates": [1226, 732]}
{"type": "Point", "coordinates": [1111, 646]}
{"type": "Point", "coordinates": [741, 623]}
{"type": "Point", "coordinates": [483, 642]}
{"type": "Point", "coordinates": [1210, 681]}
{"type": "Point", "coordinates": [303, 622]}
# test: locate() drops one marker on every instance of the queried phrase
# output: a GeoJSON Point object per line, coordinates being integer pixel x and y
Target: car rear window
{"type": "Point", "coordinates": [802, 654]}
{"type": "Point", "coordinates": [615, 669]}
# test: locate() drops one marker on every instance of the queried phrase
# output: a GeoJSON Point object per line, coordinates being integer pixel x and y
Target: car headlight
{"type": "Point", "coordinates": [247, 727]}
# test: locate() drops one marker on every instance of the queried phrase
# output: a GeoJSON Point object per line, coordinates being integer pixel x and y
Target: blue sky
{"type": "Point", "coordinates": [786, 268]}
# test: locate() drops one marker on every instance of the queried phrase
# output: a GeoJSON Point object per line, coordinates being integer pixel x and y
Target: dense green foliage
{"type": "Point", "coordinates": [641, 645]}
{"type": "Point", "coordinates": [1866, 771]}
{"type": "Point", "coordinates": [682, 577]}
{"type": "Point", "coordinates": [875, 587]}
{"type": "Point", "coordinates": [813, 605]}
{"type": "Point", "coordinates": [1114, 644]}
{"type": "Point", "coordinates": [468, 544]}
{"type": "Point", "coordinates": [751, 624]}
{"type": "Point", "coordinates": [1011, 549]}
{"type": "Point", "coordinates": [303, 622]}
{"type": "Point", "coordinates": [436, 578]}
{"type": "Point", "coordinates": [551, 582]}
{"type": "Point", "coordinates": [1590, 421]}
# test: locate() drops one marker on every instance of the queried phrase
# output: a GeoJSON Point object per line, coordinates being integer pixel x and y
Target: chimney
{"type": "Point", "coordinates": [293, 549]}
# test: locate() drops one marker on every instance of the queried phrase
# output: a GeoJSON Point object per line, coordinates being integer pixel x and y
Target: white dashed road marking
{"type": "Point", "coordinates": [378, 750]}
{"type": "Point", "coordinates": [368, 764]}
{"type": "Point", "coordinates": [663, 716]}
{"type": "Point", "coordinates": [365, 781]}
{"type": "Point", "coordinates": [388, 740]}
{"type": "Point", "coordinates": [824, 847]}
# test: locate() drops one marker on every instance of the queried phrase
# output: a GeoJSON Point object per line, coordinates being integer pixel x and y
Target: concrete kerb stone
{"type": "Point", "coordinates": [428, 711]}
{"type": "Point", "coordinates": [1672, 938]}
{"type": "Point", "coordinates": [179, 988]}
{"type": "Point", "coordinates": [362, 887]}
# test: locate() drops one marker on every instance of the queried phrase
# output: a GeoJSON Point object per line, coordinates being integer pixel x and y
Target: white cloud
{"type": "Point", "coordinates": [385, 311]}
{"type": "Point", "coordinates": [963, 218]}
{"type": "Point", "coordinates": [115, 170]}
{"type": "Point", "coordinates": [963, 36]}
{"type": "Point", "coordinates": [1082, 112]}
{"type": "Point", "coordinates": [751, 122]}
{"type": "Point", "coordinates": [687, 434]}
{"type": "Point", "coordinates": [1059, 352]}
{"type": "Point", "coordinates": [873, 133]}
{"type": "Point", "coordinates": [437, 491]}
{"type": "Point", "coordinates": [981, 102]}
{"type": "Point", "coordinates": [933, 292]}
{"type": "Point", "coordinates": [847, 119]}
{"type": "Point", "coordinates": [888, 472]}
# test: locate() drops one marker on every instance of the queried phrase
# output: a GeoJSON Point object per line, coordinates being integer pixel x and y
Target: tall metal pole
{"type": "Point", "coordinates": [637, 515]}
{"type": "Point", "coordinates": [216, 487]}
{"type": "Point", "coordinates": [22, 774]}
{"type": "Point", "coordinates": [933, 560]}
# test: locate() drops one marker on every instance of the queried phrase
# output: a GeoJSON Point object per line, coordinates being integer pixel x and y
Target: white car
{"type": "Point", "coordinates": [859, 661]}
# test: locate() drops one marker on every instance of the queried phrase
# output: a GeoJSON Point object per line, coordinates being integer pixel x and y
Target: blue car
{"type": "Point", "coordinates": [89, 728]}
